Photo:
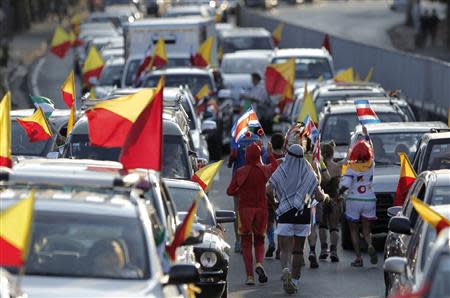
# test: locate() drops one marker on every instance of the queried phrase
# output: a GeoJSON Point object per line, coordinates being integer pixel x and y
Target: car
{"type": "Point", "coordinates": [433, 151]}
{"type": "Point", "coordinates": [213, 254]}
{"type": "Point", "coordinates": [248, 38]}
{"type": "Point", "coordinates": [109, 77]}
{"type": "Point", "coordinates": [431, 187]}
{"type": "Point", "coordinates": [410, 271]}
{"type": "Point", "coordinates": [344, 116]}
{"type": "Point", "coordinates": [310, 65]}
{"type": "Point", "coordinates": [189, 10]}
{"type": "Point", "coordinates": [72, 233]}
{"type": "Point", "coordinates": [113, 51]}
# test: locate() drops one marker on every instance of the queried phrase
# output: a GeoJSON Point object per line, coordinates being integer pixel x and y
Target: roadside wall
{"type": "Point", "coordinates": [425, 81]}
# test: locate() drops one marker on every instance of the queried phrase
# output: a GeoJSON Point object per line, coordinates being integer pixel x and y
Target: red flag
{"type": "Point", "coordinates": [326, 43]}
{"type": "Point", "coordinates": [142, 148]}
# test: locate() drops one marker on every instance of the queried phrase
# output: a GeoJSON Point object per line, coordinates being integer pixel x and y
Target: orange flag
{"type": "Point", "coordinates": [15, 232]}
{"type": "Point", "coordinates": [277, 33]}
{"type": "Point", "coordinates": [279, 77]}
{"type": "Point", "coordinates": [203, 56]}
{"type": "Point", "coordinates": [407, 178]}
{"type": "Point", "coordinates": [438, 221]}
{"type": "Point", "coordinates": [60, 42]}
{"type": "Point", "coordinates": [205, 176]}
{"type": "Point", "coordinates": [143, 145]}
{"type": "Point", "coordinates": [68, 90]}
{"type": "Point", "coordinates": [36, 126]}
{"type": "Point", "coordinates": [5, 131]}
{"type": "Point", "coordinates": [93, 66]}
{"type": "Point", "coordinates": [111, 120]}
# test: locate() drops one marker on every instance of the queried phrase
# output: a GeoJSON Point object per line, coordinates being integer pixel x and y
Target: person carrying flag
{"type": "Point", "coordinates": [249, 185]}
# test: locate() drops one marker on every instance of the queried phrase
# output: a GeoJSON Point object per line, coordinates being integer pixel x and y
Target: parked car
{"type": "Point", "coordinates": [213, 254]}
{"type": "Point", "coordinates": [239, 39]}
{"type": "Point", "coordinates": [433, 151]}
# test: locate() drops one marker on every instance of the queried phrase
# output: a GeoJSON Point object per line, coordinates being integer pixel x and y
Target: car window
{"type": "Point", "coordinates": [419, 192]}
{"type": "Point", "coordinates": [440, 195]}
{"type": "Point", "coordinates": [407, 205]}
{"type": "Point", "coordinates": [20, 144]}
{"type": "Point", "coordinates": [438, 156]}
{"type": "Point", "coordinates": [132, 68]}
{"type": "Point", "coordinates": [440, 287]}
{"type": "Point", "coordinates": [194, 81]}
{"type": "Point", "coordinates": [110, 74]}
{"type": "Point", "coordinates": [243, 65]}
{"type": "Point", "coordinates": [309, 67]}
{"type": "Point", "coordinates": [321, 100]}
{"type": "Point", "coordinates": [239, 43]}
{"type": "Point", "coordinates": [412, 251]}
{"type": "Point", "coordinates": [93, 246]}
{"type": "Point", "coordinates": [430, 237]}
{"type": "Point", "coordinates": [387, 146]}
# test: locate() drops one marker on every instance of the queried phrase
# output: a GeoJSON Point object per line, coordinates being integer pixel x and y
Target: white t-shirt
{"type": "Point", "coordinates": [359, 184]}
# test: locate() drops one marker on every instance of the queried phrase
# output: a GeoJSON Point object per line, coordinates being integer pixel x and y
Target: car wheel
{"type": "Point", "coordinates": [346, 239]}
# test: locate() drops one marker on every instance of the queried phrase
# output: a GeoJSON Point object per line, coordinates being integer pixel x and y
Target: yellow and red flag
{"type": "Point", "coordinates": [5, 131]}
{"type": "Point", "coordinates": [68, 90]}
{"type": "Point", "coordinates": [93, 66]}
{"type": "Point", "coordinates": [203, 92]}
{"type": "Point", "coordinates": [205, 176]}
{"type": "Point", "coordinates": [15, 232]}
{"type": "Point", "coordinates": [288, 96]}
{"type": "Point", "coordinates": [36, 126]}
{"type": "Point", "coordinates": [203, 56]}
{"type": "Point", "coordinates": [74, 40]}
{"type": "Point", "coordinates": [110, 121]}
{"type": "Point", "coordinates": [277, 33]}
{"type": "Point", "coordinates": [326, 43]}
{"type": "Point", "coordinates": [72, 120]}
{"type": "Point", "coordinates": [184, 230]}
{"type": "Point", "coordinates": [345, 76]}
{"type": "Point", "coordinates": [437, 220]}
{"type": "Point", "coordinates": [308, 107]}
{"type": "Point", "coordinates": [407, 178]}
{"type": "Point", "coordinates": [279, 76]}
{"type": "Point", "coordinates": [143, 145]}
{"type": "Point", "coordinates": [159, 58]}
{"type": "Point", "coordinates": [60, 42]}
{"type": "Point", "coordinates": [368, 77]}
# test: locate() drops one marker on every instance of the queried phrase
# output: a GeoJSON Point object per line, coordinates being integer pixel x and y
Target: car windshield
{"type": "Point", "coordinates": [239, 43]}
{"type": "Point", "coordinates": [320, 101]}
{"type": "Point", "coordinates": [347, 123]}
{"type": "Point", "coordinates": [110, 75]}
{"type": "Point", "coordinates": [309, 67]}
{"type": "Point", "coordinates": [243, 65]}
{"type": "Point", "coordinates": [440, 196]}
{"type": "Point", "coordinates": [175, 158]}
{"type": "Point", "coordinates": [194, 81]}
{"type": "Point", "coordinates": [440, 287]}
{"type": "Point", "coordinates": [388, 145]}
{"type": "Point", "coordinates": [439, 157]}
{"type": "Point", "coordinates": [20, 144]}
{"type": "Point", "coordinates": [183, 198]}
{"type": "Point", "coordinates": [82, 245]}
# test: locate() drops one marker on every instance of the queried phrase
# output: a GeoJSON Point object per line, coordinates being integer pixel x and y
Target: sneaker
{"type": "Point", "coordinates": [373, 255]}
{"type": "Point", "coordinates": [262, 277]}
{"type": "Point", "coordinates": [250, 281]}
{"type": "Point", "coordinates": [269, 252]}
{"type": "Point", "coordinates": [296, 282]}
{"type": "Point", "coordinates": [358, 262]}
{"type": "Point", "coordinates": [288, 286]}
{"type": "Point", "coordinates": [237, 247]}
{"type": "Point", "coordinates": [334, 256]}
{"type": "Point", "coordinates": [313, 260]}
{"type": "Point", "coordinates": [323, 254]}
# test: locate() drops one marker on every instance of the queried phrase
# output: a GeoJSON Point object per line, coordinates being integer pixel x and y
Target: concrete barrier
{"type": "Point", "coordinates": [424, 81]}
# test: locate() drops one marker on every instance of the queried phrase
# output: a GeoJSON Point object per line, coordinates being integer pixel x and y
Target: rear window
{"type": "Point", "coordinates": [194, 81]}
{"type": "Point", "coordinates": [309, 67]}
{"type": "Point", "coordinates": [233, 44]}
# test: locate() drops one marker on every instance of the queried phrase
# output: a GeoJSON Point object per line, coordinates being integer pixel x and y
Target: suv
{"type": "Point", "coordinates": [433, 151]}
{"type": "Point", "coordinates": [238, 39]}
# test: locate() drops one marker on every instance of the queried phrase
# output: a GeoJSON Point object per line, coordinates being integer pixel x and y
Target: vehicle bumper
{"type": "Point", "coordinates": [211, 284]}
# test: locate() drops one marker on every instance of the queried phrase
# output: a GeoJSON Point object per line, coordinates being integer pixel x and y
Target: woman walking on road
{"type": "Point", "coordinates": [294, 184]}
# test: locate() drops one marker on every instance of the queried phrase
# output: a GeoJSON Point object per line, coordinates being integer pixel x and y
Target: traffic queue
{"type": "Point", "coordinates": [109, 197]}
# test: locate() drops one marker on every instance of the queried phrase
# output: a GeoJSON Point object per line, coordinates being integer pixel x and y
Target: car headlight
{"type": "Point", "coordinates": [208, 259]}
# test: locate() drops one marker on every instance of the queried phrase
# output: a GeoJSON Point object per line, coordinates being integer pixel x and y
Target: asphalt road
{"type": "Point", "coordinates": [362, 21]}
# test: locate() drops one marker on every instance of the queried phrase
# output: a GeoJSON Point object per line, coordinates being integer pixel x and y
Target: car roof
{"type": "Point", "coordinates": [245, 54]}
{"type": "Point", "coordinates": [436, 136]}
{"type": "Point", "coordinates": [182, 184]}
{"type": "Point", "coordinates": [402, 126]}
{"type": "Point", "coordinates": [350, 108]}
{"type": "Point", "coordinates": [349, 88]}
{"type": "Point", "coordinates": [169, 21]}
{"type": "Point", "coordinates": [181, 70]}
{"type": "Point", "coordinates": [442, 177]}
{"type": "Point", "coordinates": [301, 52]}
{"type": "Point", "coordinates": [245, 32]}
{"type": "Point", "coordinates": [29, 112]}
{"type": "Point", "coordinates": [115, 61]}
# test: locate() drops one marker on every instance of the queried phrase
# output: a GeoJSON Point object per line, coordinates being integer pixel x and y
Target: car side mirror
{"type": "Point", "coordinates": [400, 224]}
{"type": "Point", "coordinates": [393, 211]}
{"type": "Point", "coordinates": [225, 216]}
{"type": "Point", "coordinates": [208, 126]}
{"type": "Point", "coordinates": [53, 155]}
{"type": "Point", "coordinates": [183, 274]}
{"type": "Point", "coordinates": [395, 265]}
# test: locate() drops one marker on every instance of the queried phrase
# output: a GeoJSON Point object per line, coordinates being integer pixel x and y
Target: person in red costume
{"type": "Point", "coordinates": [249, 184]}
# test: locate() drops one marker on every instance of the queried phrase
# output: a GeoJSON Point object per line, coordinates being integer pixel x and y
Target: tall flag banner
{"type": "Point", "coordinates": [143, 145]}
{"type": "Point", "coordinates": [308, 107]}
{"type": "Point", "coordinates": [46, 104]}
{"type": "Point", "coordinates": [93, 66]}
{"type": "Point", "coordinates": [286, 97]}
{"type": "Point", "coordinates": [60, 43]}
{"type": "Point", "coordinates": [345, 76]}
{"type": "Point", "coordinates": [244, 123]}
{"type": "Point", "coordinates": [205, 176]}
{"type": "Point", "coordinates": [72, 120]}
{"type": "Point", "coordinates": [203, 92]}
{"type": "Point", "coordinates": [310, 130]}
{"type": "Point", "coordinates": [159, 58]}
{"type": "Point", "coordinates": [277, 33]}
{"type": "Point", "coordinates": [68, 90]}
{"type": "Point", "coordinates": [316, 151]}
{"type": "Point", "coordinates": [144, 65]}
{"type": "Point", "coordinates": [326, 44]}
{"type": "Point", "coordinates": [5, 131]}
{"type": "Point", "coordinates": [110, 121]}
{"type": "Point", "coordinates": [36, 126]}
{"type": "Point", "coordinates": [184, 230]}
{"type": "Point", "coordinates": [15, 232]}
{"type": "Point", "coordinates": [280, 76]}
{"type": "Point", "coordinates": [438, 221]}
{"type": "Point", "coordinates": [365, 113]}
{"type": "Point", "coordinates": [203, 56]}
{"type": "Point", "coordinates": [406, 179]}
{"type": "Point", "coordinates": [368, 77]}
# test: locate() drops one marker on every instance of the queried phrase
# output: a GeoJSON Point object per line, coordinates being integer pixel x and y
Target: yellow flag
{"type": "Point", "coordinates": [345, 76]}
{"type": "Point", "coordinates": [205, 176]}
{"type": "Point", "coordinates": [72, 119]}
{"type": "Point", "coordinates": [5, 131]}
{"type": "Point", "coordinates": [203, 92]}
{"type": "Point", "coordinates": [277, 33]}
{"type": "Point", "coordinates": [430, 216]}
{"type": "Point", "coordinates": [308, 107]}
{"type": "Point", "coordinates": [93, 66]}
{"type": "Point", "coordinates": [369, 75]}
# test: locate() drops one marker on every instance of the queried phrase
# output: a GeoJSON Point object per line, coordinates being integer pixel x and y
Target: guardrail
{"type": "Point", "coordinates": [424, 81]}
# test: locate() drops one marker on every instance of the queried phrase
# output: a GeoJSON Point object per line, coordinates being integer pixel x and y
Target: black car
{"type": "Point", "coordinates": [213, 253]}
{"type": "Point", "coordinates": [433, 188]}
{"type": "Point", "coordinates": [433, 151]}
